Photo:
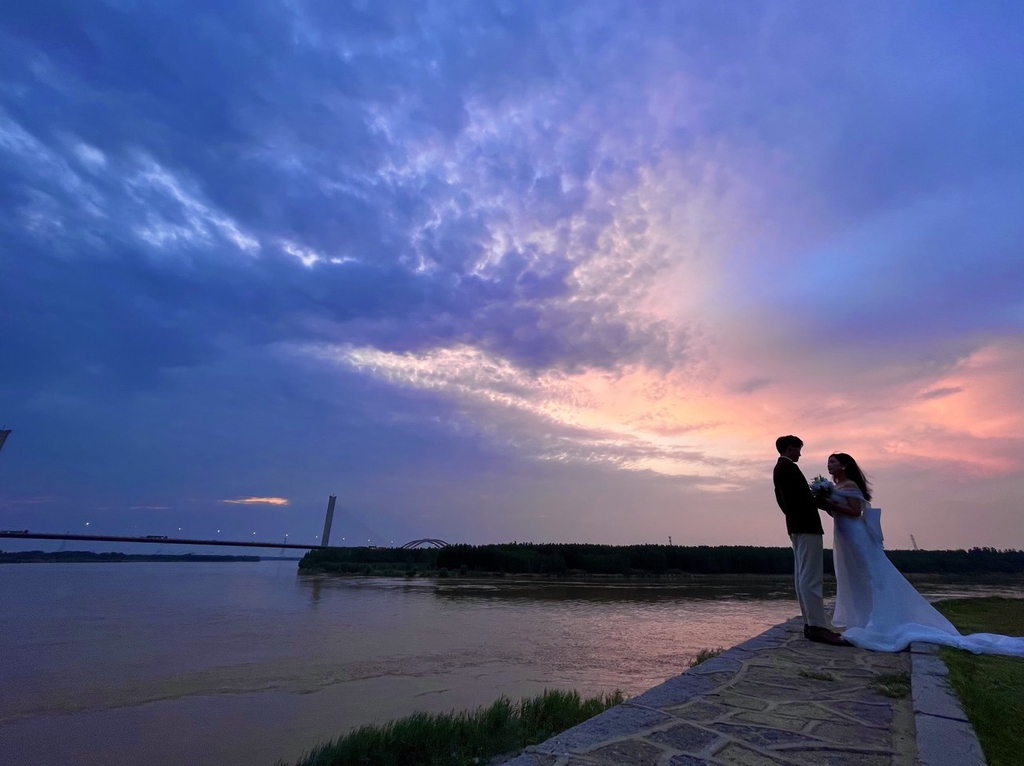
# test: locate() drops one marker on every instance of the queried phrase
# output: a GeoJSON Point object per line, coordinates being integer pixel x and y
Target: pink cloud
{"type": "Point", "coordinates": [257, 501]}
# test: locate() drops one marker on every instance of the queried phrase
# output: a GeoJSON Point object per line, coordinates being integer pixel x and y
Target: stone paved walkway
{"type": "Point", "coordinates": [775, 700]}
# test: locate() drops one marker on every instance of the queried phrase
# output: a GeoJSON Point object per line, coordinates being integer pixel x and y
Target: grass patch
{"type": "Point", "coordinates": [816, 675]}
{"type": "Point", "coordinates": [894, 685]}
{"type": "Point", "coordinates": [461, 739]}
{"type": "Point", "coordinates": [990, 687]}
{"type": "Point", "coordinates": [706, 654]}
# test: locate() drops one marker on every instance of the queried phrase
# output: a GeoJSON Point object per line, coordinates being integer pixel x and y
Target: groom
{"type": "Point", "coordinates": [804, 527]}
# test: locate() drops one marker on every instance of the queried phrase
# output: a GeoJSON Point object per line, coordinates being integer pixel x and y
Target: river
{"type": "Point", "coordinates": [249, 663]}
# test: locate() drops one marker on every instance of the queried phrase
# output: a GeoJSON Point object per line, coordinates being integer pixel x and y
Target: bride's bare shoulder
{"type": "Point", "coordinates": [847, 484]}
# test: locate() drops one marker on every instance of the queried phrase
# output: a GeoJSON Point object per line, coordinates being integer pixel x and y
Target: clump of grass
{"type": "Point", "coordinates": [706, 654]}
{"type": "Point", "coordinates": [817, 676]}
{"type": "Point", "coordinates": [991, 688]}
{"type": "Point", "coordinates": [461, 739]}
{"type": "Point", "coordinates": [894, 685]}
{"type": "Point", "coordinates": [985, 615]}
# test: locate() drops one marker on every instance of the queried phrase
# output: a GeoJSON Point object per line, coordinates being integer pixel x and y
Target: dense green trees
{"type": "Point", "coordinates": [957, 562]}
{"type": "Point", "coordinates": [562, 559]}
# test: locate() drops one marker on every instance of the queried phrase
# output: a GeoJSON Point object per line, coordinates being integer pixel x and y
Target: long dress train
{"type": "Point", "coordinates": [878, 607]}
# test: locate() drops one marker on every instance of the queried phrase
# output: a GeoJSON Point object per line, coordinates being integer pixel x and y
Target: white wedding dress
{"type": "Point", "coordinates": [876, 605]}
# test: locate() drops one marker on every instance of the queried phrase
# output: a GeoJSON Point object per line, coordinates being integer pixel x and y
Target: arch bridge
{"type": "Point", "coordinates": [426, 542]}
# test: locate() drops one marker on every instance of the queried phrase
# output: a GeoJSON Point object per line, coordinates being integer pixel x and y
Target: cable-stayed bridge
{"type": "Point", "coordinates": [159, 539]}
{"type": "Point", "coordinates": [25, 534]}
{"type": "Point", "coordinates": [17, 534]}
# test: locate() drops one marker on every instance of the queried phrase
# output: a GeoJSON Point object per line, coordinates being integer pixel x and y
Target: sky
{"type": "Point", "coordinates": [494, 271]}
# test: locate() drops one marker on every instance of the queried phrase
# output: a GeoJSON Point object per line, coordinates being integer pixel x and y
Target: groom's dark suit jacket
{"type": "Point", "coordinates": [795, 499]}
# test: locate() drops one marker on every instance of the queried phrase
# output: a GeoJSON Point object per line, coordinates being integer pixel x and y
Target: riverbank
{"type": "Point", "coordinates": [774, 699]}
{"type": "Point", "coordinates": [782, 700]}
{"type": "Point", "coordinates": [631, 561]}
{"type": "Point", "coordinates": [462, 739]}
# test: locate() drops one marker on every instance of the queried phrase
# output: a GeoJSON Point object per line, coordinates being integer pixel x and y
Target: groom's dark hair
{"type": "Point", "coordinates": [783, 443]}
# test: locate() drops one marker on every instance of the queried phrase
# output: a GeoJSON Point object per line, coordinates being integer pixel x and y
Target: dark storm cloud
{"type": "Point", "coordinates": [159, 164]}
{"type": "Point", "coordinates": [148, 146]}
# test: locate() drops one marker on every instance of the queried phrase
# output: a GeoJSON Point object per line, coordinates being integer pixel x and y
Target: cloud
{"type": "Point", "coordinates": [257, 501]}
{"type": "Point", "coordinates": [752, 385]}
{"type": "Point", "coordinates": [632, 419]}
{"type": "Point", "coordinates": [534, 217]}
{"type": "Point", "coordinates": [938, 393]}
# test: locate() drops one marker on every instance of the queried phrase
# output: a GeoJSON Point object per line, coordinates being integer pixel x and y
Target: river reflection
{"type": "Point", "coordinates": [248, 663]}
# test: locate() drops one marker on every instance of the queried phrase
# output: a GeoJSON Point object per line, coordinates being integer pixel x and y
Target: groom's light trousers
{"type": "Point", "coordinates": [808, 576]}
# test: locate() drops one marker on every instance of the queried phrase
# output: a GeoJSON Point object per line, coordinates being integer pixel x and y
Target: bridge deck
{"type": "Point", "coordinates": [158, 539]}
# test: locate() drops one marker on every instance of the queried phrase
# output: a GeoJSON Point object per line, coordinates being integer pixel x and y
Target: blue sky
{"type": "Point", "coordinates": [495, 271]}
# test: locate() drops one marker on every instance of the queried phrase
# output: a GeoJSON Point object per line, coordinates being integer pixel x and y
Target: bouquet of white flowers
{"type": "Point", "coordinates": [821, 487]}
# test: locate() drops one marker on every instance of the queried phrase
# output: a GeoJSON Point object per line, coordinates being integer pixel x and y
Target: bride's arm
{"type": "Point", "coordinates": [845, 506]}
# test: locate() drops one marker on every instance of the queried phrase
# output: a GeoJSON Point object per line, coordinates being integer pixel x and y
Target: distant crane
{"type": "Point", "coordinates": [914, 543]}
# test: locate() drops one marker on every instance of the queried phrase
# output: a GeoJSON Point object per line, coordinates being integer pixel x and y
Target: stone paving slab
{"type": "Point", "coordinates": [779, 699]}
{"type": "Point", "coordinates": [944, 735]}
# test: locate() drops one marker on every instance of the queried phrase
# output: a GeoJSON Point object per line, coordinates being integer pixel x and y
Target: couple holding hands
{"type": "Point", "coordinates": [875, 604]}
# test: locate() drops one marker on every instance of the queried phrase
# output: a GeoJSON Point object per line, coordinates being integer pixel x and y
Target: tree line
{"type": "Point", "coordinates": [629, 560]}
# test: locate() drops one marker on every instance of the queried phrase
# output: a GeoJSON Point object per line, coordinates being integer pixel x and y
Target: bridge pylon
{"type": "Point", "coordinates": [325, 539]}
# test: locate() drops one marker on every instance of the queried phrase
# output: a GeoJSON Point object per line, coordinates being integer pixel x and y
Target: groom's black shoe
{"type": "Point", "coordinates": [824, 636]}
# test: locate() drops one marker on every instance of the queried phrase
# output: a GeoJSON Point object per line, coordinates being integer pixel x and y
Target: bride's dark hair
{"type": "Point", "coordinates": [853, 473]}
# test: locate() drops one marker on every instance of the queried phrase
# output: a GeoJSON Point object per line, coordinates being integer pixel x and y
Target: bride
{"type": "Point", "coordinates": [874, 602]}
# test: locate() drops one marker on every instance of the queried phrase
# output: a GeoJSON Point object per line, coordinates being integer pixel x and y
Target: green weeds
{"type": "Point", "coordinates": [817, 676]}
{"type": "Point", "coordinates": [706, 654]}
{"type": "Point", "coordinates": [894, 685]}
{"type": "Point", "coordinates": [461, 739]}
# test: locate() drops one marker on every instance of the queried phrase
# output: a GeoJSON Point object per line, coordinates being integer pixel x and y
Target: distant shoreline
{"type": "Point", "coordinates": [632, 562]}
{"type": "Point", "coordinates": [686, 578]}
{"type": "Point", "coordinates": [88, 557]}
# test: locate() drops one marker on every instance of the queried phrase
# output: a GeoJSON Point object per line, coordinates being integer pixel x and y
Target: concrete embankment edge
{"type": "Point", "coordinates": [944, 735]}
